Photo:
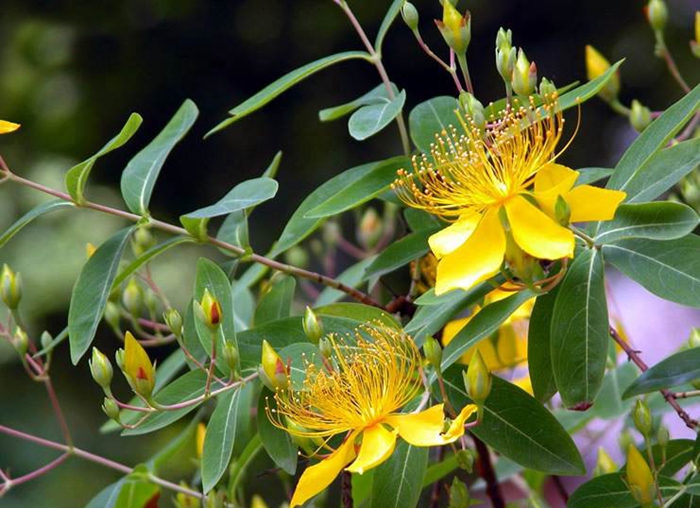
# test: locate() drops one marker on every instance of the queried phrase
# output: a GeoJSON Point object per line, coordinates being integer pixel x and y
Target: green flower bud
{"type": "Point", "coordinates": [142, 241]}
{"type": "Point", "coordinates": [150, 299]}
{"type": "Point", "coordinates": [459, 494]}
{"type": "Point", "coordinates": [297, 256]}
{"type": "Point", "coordinates": [505, 54]}
{"type": "Point", "coordinates": [313, 327]}
{"type": "Point", "coordinates": [562, 211]}
{"type": "Point", "coordinates": [694, 338]}
{"type": "Point", "coordinates": [173, 319]}
{"type": "Point", "coordinates": [111, 409]}
{"type": "Point", "coordinates": [433, 352]}
{"type": "Point", "coordinates": [640, 116]}
{"type": "Point", "coordinates": [132, 298]}
{"type": "Point", "coordinates": [231, 356]}
{"type": "Point", "coordinates": [119, 358]}
{"type": "Point", "coordinates": [208, 311]}
{"type": "Point", "coordinates": [325, 347]}
{"type": "Point", "coordinates": [101, 369]}
{"type": "Point", "coordinates": [112, 315]}
{"type": "Point", "coordinates": [524, 78]}
{"type": "Point", "coordinates": [331, 233]}
{"type": "Point", "coordinates": [657, 14]}
{"type": "Point", "coordinates": [184, 501]}
{"type": "Point", "coordinates": [369, 230]}
{"type": "Point", "coordinates": [455, 28]}
{"type": "Point", "coordinates": [547, 88]}
{"type": "Point", "coordinates": [642, 418]}
{"type": "Point", "coordinates": [477, 379]}
{"type": "Point", "coordinates": [504, 39]}
{"type": "Point", "coordinates": [46, 339]}
{"type": "Point", "coordinates": [466, 459]}
{"type": "Point", "coordinates": [663, 437]}
{"type": "Point", "coordinates": [473, 108]}
{"type": "Point", "coordinates": [20, 340]}
{"type": "Point", "coordinates": [11, 287]}
{"type": "Point", "coordinates": [409, 13]}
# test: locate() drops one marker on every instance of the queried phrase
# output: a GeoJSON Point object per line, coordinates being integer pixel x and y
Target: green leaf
{"type": "Point", "coordinates": [353, 276]}
{"type": "Point", "coordinates": [418, 219]}
{"type": "Point", "coordinates": [377, 94]}
{"type": "Point", "coordinates": [389, 18]}
{"type": "Point", "coordinates": [77, 176]}
{"type": "Point", "coordinates": [244, 195]}
{"type": "Point", "coordinates": [196, 227]}
{"type": "Point", "coordinates": [368, 120]}
{"type": "Point", "coordinates": [611, 490]}
{"type": "Point", "coordinates": [400, 253]}
{"type": "Point", "coordinates": [579, 331]}
{"type": "Point", "coordinates": [276, 303]}
{"type": "Point", "coordinates": [218, 441]}
{"type": "Point", "coordinates": [182, 440]}
{"type": "Point", "coordinates": [659, 220]}
{"type": "Point", "coordinates": [431, 117]}
{"type": "Point", "coordinates": [581, 94]}
{"type": "Point", "coordinates": [610, 404]}
{"type": "Point", "coordinates": [107, 497]}
{"type": "Point", "coordinates": [277, 443]}
{"type": "Point", "coordinates": [591, 175]}
{"type": "Point", "coordinates": [483, 324]}
{"type": "Point", "coordinates": [137, 490]}
{"type": "Point", "coordinates": [676, 456]}
{"type": "Point", "coordinates": [90, 292]}
{"type": "Point", "coordinates": [519, 427]}
{"type": "Point", "coordinates": [32, 214]}
{"type": "Point", "coordinates": [140, 175]}
{"type": "Point", "coordinates": [676, 370]}
{"type": "Point", "coordinates": [368, 186]}
{"type": "Point", "coordinates": [283, 84]}
{"type": "Point", "coordinates": [662, 171]}
{"type": "Point", "coordinates": [234, 230]}
{"type": "Point", "coordinates": [359, 313]}
{"type": "Point", "coordinates": [148, 256]}
{"type": "Point", "coordinates": [187, 387]}
{"type": "Point", "coordinates": [539, 338]}
{"type": "Point", "coordinates": [654, 137]}
{"type": "Point", "coordinates": [397, 483]}
{"type": "Point", "coordinates": [669, 269]}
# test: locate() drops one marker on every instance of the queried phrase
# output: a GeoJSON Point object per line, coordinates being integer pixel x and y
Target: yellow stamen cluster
{"type": "Point", "coordinates": [367, 378]}
{"type": "Point", "coordinates": [471, 170]}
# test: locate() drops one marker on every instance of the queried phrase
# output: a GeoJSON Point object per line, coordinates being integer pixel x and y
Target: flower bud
{"type": "Point", "coordinates": [369, 230]}
{"type": "Point", "coordinates": [111, 409]}
{"type": "Point", "coordinates": [657, 14]}
{"type": "Point", "coordinates": [231, 356]}
{"type": "Point", "coordinates": [313, 327]}
{"type": "Point", "coordinates": [466, 459]}
{"type": "Point", "coordinates": [132, 298]}
{"type": "Point", "coordinates": [639, 477]}
{"type": "Point", "coordinates": [455, 28]}
{"type": "Point", "coordinates": [547, 88]}
{"type": "Point", "coordinates": [276, 375]}
{"type": "Point", "coordinates": [459, 494]}
{"type": "Point", "coordinates": [331, 233]}
{"type": "Point", "coordinates": [119, 358]}
{"type": "Point", "coordinates": [11, 287]}
{"type": "Point", "coordinates": [182, 500]}
{"type": "Point", "coordinates": [325, 347]}
{"type": "Point", "coordinates": [640, 116]}
{"type": "Point", "coordinates": [642, 418]}
{"type": "Point", "coordinates": [473, 108]}
{"type": "Point", "coordinates": [477, 379]}
{"type": "Point", "coordinates": [151, 301]}
{"type": "Point", "coordinates": [173, 319]}
{"type": "Point", "coordinates": [597, 65]}
{"type": "Point", "coordinates": [524, 78]}
{"type": "Point", "coordinates": [433, 352]}
{"type": "Point", "coordinates": [46, 339]}
{"type": "Point", "coordinates": [562, 211]}
{"type": "Point", "coordinates": [112, 315]}
{"type": "Point", "coordinates": [89, 250]}
{"type": "Point", "coordinates": [142, 241]}
{"type": "Point", "coordinates": [409, 13]}
{"type": "Point", "coordinates": [137, 366]}
{"type": "Point", "coordinates": [695, 44]}
{"type": "Point", "coordinates": [663, 437]}
{"type": "Point", "coordinates": [694, 338]}
{"type": "Point", "coordinates": [605, 463]}
{"type": "Point", "coordinates": [101, 369]}
{"type": "Point", "coordinates": [199, 439]}
{"type": "Point", "coordinates": [505, 54]}
{"type": "Point", "coordinates": [20, 341]}
{"type": "Point", "coordinates": [7, 127]}
{"type": "Point", "coordinates": [297, 256]}
{"type": "Point", "coordinates": [208, 311]}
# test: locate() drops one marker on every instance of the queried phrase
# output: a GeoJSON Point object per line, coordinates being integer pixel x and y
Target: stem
{"type": "Point", "coordinates": [620, 108]}
{"type": "Point", "coordinates": [462, 59]}
{"type": "Point", "coordinates": [346, 489]}
{"type": "Point", "coordinates": [58, 411]}
{"type": "Point", "coordinates": [686, 395]}
{"type": "Point", "coordinates": [667, 394]}
{"type": "Point", "coordinates": [377, 60]}
{"type": "Point", "coordinates": [212, 363]}
{"type": "Point", "coordinates": [9, 482]}
{"type": "Point", "coordinates": [202, 398]}
{"type": "Point", "coordinates": [689, 130]}
{"type": "Point", "coordinates": [451, 70]}
{"type": "Point", "coordinates": [583, 236]}
{"type": "Point", "coordinates": [437, 486]}
{"type": "Point", "coordinates": [486, 471]}
{"type": "Point", "coordinates": [671, 63]}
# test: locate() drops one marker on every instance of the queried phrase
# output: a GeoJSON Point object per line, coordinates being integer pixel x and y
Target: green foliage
{"type": "Point", "coordinates": [369, 120]}
{"type": "Point", "coordinates": [397, 482]}
{"type": "Point", "coordinates": [656, 221]}
{"type": "Point", "coordinates": [32, 214]}
{"type": "Point", "coordinates": [539, 347]}
{"type": "Point", "coordinates": [676, 370]}
{"type": "Point", "coordinates": [278, 444]}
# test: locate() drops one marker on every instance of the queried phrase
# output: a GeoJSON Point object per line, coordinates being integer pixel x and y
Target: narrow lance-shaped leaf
{"type": "Point", "coordinates": [656, 221]}
{"type": "Point", "coordinates": [32, 214]}
{"type": "Point", "coordinates": [140, 175]}
{"type": "Point", "coordinates": [579, 331]}
{"type": "Point", "coordinates": [283, 84]}
{"type": "Point", "coordinates": [675, 370]}
{"type": "Point", "coordinates": [388, 20]}
{"type": "Point", "coordinates": [91, 290]}
{"type": "Point", "coordinates": [377, 94]}
{"type": "Point", "coordinates": [276, 302]}
{"type": "Point", "coordinates": [244, 195]}
{"type": "Point", "coordinates": [368, 120]}
{"type": "Point", "coordinates": [77, 176]}
{"type": "Point", "coordinates": [539, 338]}
{"type": "Point", "coordinates": [278, 444]}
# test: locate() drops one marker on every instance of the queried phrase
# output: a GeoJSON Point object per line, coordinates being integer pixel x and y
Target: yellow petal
{"type": "Point", "coordinates": [453, 327]}
{"type": "Point", "coordinates": [377, 446]}
{"type": "Point", "coordinates": [321, 475]}
{"type": "Point", "coordinates": [537, 234]}
{"type": "Point", "coordinates": [425, 428]}
{"type": "Point", "coordinates": [447, 240]}
{"type": "Point", "coordinates": [6, 127]}
{"type": "Point", "coordinates": [456, 429]}
{"type": "Point", "coordinates": [488, 353]}
{"type": "Point", "coordinates": [478, 259]}
{"type": "Point", "coordinates": [525, 383]}
{"type": "Point", "coordinates": [552, 181]}
{"type": "Point", "coordinates": [136, 361]}
{"type": "Point", "coordinates": [589, 203]}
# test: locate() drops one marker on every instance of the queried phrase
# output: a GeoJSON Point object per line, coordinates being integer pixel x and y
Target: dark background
{"type": "Point", "coordinates": [72, 71]}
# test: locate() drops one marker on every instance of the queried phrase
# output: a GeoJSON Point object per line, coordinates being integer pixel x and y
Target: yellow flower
{"type": "Point", "coordinates": [359, 392]}
{"type": "Point", "coordinates": [138, 366]}
{"type": "Point", "coordinates": [6, 127]}
{"type": "Point", "coordinates": [482, 183]}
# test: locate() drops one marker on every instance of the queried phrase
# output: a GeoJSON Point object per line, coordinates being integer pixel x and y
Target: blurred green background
{"type": "Point", "coordinates": [71, 72]}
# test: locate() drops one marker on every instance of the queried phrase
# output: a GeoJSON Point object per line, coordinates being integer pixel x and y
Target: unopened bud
{"type": "Point", "coordinates": [657, 14]}
{"type": "Point", "coordinates": [231, 356]}
{"type": "Point", "coordinates": [132, 298]}
{"type": "Point", "coordinates": [663, 437]}
{"type": "Point", "coordinates": [459, 494]}
{"type": "Point", "coordinates": [112, 315]}
{"type": "Point", "coordinates": [11, 287]}
{"type": "Point", "coordinates": [276, 375]}
{"type": "Point", "coordinates": [642, 418]}
{"type": "Point", "coordinates": [433, 352]}
{"type": "Point", "coordinates": [477, 379]}
{"type": "Point", "coordinates": [325, 347]}
{"type": "Point", "coordinates": [409, 13]}
{"type": "Point", "coordinates": [208, 311]}
{"type": "Point", "coordinates": [46, 339]}
{"type": "Point", "coordinates": [142, 241]}
{"type": "Point", "coordinates": [119, 358]}
{"type": "Point", "coordinates": [597, 65]}
{"type": "Point", "coordinates": [694, 338]}
{"type": "Point", "coordinates": [111, 409]}
{"type": "Point", "coordinates": [505, 54]}
{"type": "Point", "coordinates": [455, 28]}
{"type": "Point", "coordinates": [183, 500]}
{"type": "Point", "coordinates": [695, 44]}
{"type": "Point", "coordinates": [297, 256]}
{"type": "Point", "coordinates": [137, 366]}
{"type": "Point", "coordinates": [547, 88]}
{"type": "Point", "coordinates": [151, 301]}
{"type": "Point", "coordinates": [605, 463]}
{"type": "Point", "coordinates": [562, 211]}
{"type": "Point", "coordinates": [199, 439]}
{"type": "Point", "coordinates": [20, 341]}
{"type": "Point", "coordinates": [331, 233]}
{"type": "Point", "coordinates": [639, 477]}
{"type": "Point", "coordinates": [640, 116]}
{"type": "Point", "coordinates": [101, 369]}
{"type": "Point", "coordinates": [524, 78]}
{"type": "Point", "coordinates": [369, 230]}
{"type": "Point", "coordinates": [473, 108]}
{"type": "Point", "coordinates": [313, 327]}
{"type": "Point", "coordinates": [173, 319]}
{"type": "Point", "coordinates": [466, 459]}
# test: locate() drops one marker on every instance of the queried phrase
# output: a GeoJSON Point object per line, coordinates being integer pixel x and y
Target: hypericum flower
{"type": "Point", "coordinates": [482, 182]}
{"type": "Point", "coordinates": [6, 127]}
{"type": "Point", "coordinates": [358, 392]}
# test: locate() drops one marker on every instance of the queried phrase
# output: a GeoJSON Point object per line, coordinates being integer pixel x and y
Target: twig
{"type": "Point", "coordinates": [560, 488]}
{"type": "Point", "coordinates": [485, 469]}
{"type": "Point", "coordinates": [346, 489]}
{"type": "Point", "coordinates": [436, 490]}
